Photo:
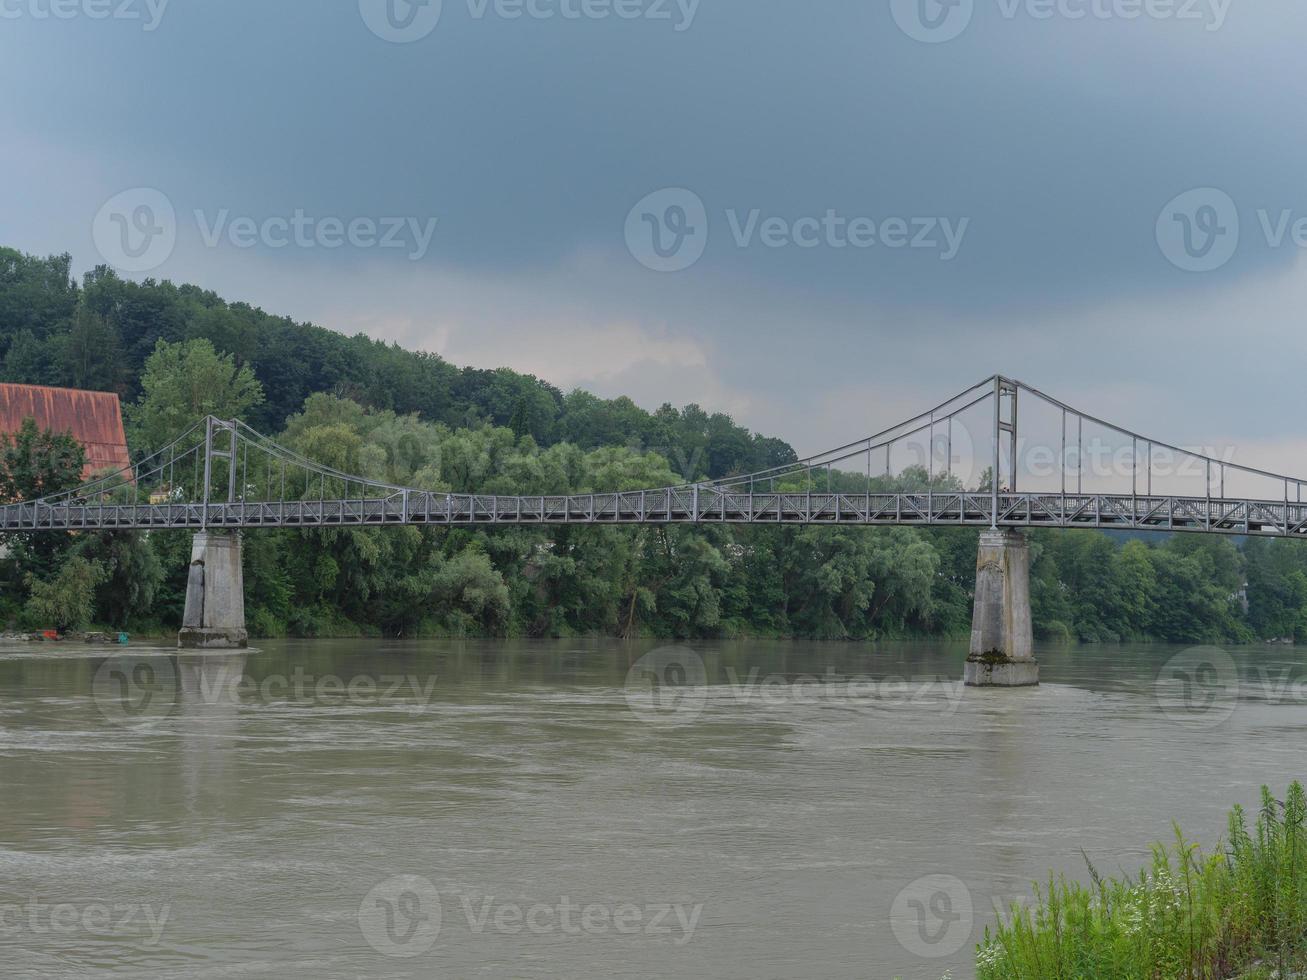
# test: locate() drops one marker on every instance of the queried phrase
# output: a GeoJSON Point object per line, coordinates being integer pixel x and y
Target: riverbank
{"type": "Point", "coordinates": [1240, 912]}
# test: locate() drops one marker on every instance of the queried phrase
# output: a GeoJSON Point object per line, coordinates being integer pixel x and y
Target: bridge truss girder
{"type": "Point", "coordinates": [697, 507]}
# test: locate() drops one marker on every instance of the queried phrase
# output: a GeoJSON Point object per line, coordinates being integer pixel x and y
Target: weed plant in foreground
{"type": "Point", "coordinates": [1238, 913]}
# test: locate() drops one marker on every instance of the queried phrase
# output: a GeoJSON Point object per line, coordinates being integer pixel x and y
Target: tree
{"type": "Point", "coordinates": [37, 295]}
{"type": "Point", "coordinates": [685, 572]}
{"type": "Point", "coordinates": [35, 463]}
{"type": "Point", "coordinates": [29, 361]}
{"type": "Point", "coordinates": [470, 595]}
{"type": "Point", "coordinates": [1277, 588]}
{"type": "Point", "coordinates": [90, 352]}
{"type": "Point", "coordinates": [1137, 580]}
{"type": "Point", "coordinates": [132, 575]}
{"type": "Point", "coordinates": [66, 601]}
{"type": "Point", "coordinates": [182, 384]}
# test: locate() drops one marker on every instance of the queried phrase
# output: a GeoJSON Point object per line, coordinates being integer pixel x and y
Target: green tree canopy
{"type": "Point", "coordinates": [182, 384]}
{"type": "Point", "coordinates": [67, 600]}
{"type": "Point", "coordinates": [36, 463]}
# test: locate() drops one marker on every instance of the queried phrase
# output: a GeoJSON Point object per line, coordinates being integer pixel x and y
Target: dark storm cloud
{"type": "Point", "coordinates": [1039, 145]}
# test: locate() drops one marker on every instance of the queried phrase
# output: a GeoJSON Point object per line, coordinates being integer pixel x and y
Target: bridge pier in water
{"type": "Point", "coordinates": [214, 618]}
{"type": "Point", "coordinates": [1002, 632]}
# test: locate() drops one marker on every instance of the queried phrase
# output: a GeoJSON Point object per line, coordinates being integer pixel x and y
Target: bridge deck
{"type": "Point", "coordinates": [687, 506]}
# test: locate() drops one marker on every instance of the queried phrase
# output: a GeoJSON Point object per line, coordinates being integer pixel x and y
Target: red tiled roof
{"type": "Point", "coordinates": [94, 417]}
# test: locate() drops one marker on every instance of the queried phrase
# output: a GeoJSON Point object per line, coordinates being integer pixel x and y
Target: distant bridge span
{"type": "Point", "coordinates": [224, 475]}
{"type": "Point", "coordinates": [703, 505]}
{"type": "Point", "coordinates": [1043, 467]}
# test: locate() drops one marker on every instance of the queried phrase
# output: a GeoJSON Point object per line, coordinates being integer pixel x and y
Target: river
{"type": "Point", "coordinates": [345, 809]}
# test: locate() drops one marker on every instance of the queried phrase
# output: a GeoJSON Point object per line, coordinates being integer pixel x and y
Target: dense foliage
{"type": "Point", "coordinates": [1241, 912]}
{"type": "Point", "coordinates": [99, 334]}
{"type": "Point", "coordinates": [175, 353]}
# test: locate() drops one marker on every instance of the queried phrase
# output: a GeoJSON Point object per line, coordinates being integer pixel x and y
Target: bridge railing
{"type": "Point", "coordinates": [654, 507]}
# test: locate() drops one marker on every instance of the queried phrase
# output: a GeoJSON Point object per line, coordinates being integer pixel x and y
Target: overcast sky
{"type": "Point", "coordinates": [988, 186]}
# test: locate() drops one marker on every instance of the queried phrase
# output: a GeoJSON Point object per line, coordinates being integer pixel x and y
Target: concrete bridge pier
{"type": "Point", "coordinates": [214, 618]}
{"type": "Point", "coordinates": [1002, 634]}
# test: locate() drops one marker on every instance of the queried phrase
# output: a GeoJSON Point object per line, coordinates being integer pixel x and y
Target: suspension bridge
{"type": "Point", "coordinates": [1001, 455]}
{"type": "Point", "coordinates": [224, 475]}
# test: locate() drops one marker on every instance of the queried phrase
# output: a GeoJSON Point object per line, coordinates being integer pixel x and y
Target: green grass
{"type": "Point", "coordinates": [1240, 912]}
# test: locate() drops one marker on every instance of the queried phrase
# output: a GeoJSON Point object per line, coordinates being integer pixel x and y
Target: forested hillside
{"type": "Point", "coordinates": [175, 353]}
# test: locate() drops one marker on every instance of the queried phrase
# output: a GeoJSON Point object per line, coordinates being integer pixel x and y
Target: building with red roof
{"type": "Point", "coordinates": [94, 418]}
